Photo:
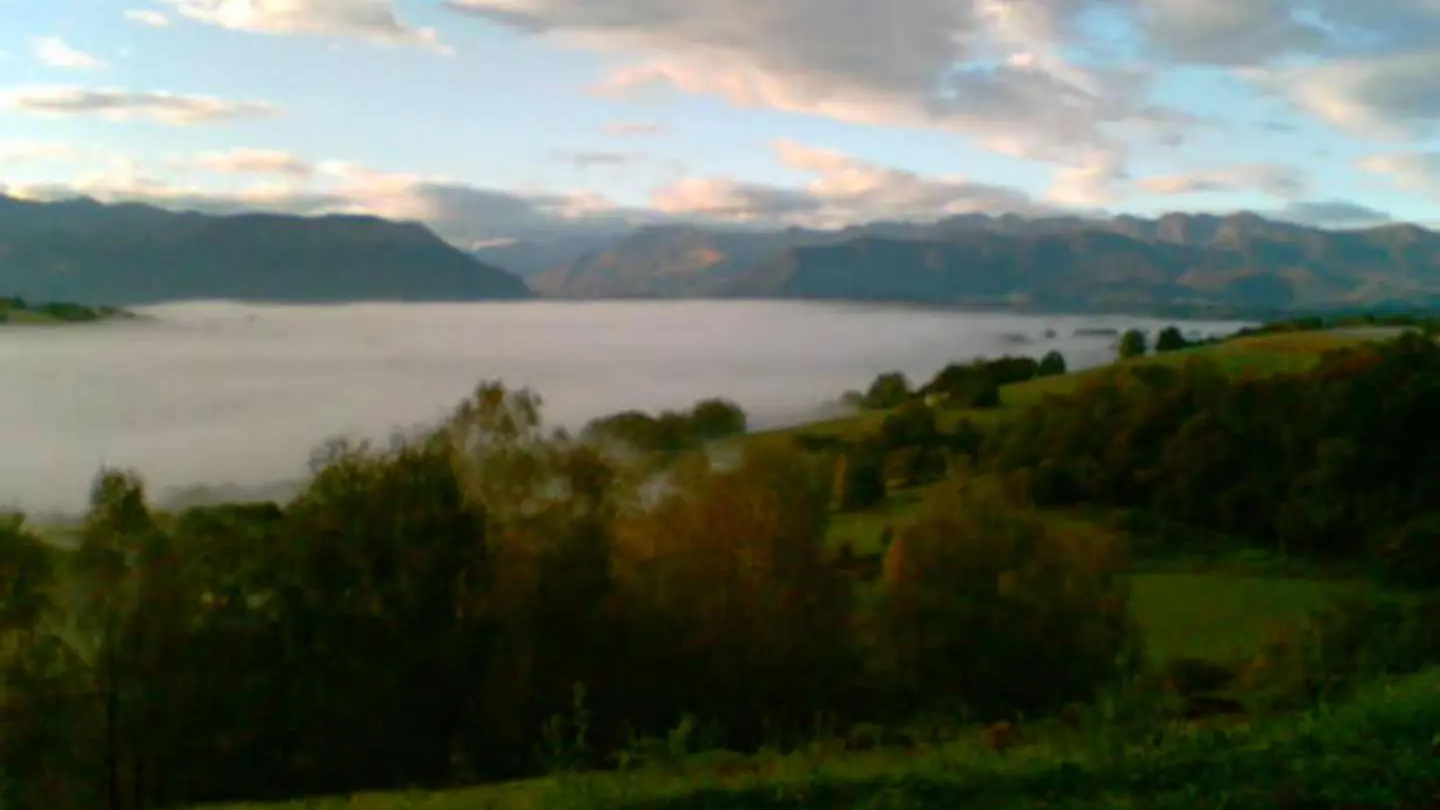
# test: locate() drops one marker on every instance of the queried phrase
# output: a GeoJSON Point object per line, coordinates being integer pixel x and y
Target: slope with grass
{"type": "Point", "coordinates": [1377, 750]}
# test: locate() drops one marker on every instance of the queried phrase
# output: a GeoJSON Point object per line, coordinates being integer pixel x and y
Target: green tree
{"type": "Point", "coordinates": [712, 419]}
{"type": "Point", "coordinates": [887, 391]}
{"type": "Point", "coordinates": [1048, 609]}
{"type": "Point", "coordinates": [1052, 364]}
{"type": "Point", "coordinates": [1170, 339]}
{"type": "Point", "coordinates": [1132, 344]}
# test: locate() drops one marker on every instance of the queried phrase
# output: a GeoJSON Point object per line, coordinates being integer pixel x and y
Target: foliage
{"type": "Point", "coordinates": [886, 391]}
{"type": "Point", "coordinates": [669, 431]}
{"type": "Point", "coordinates": [1133, 343]}
{"type": "Point", "coordinates": [1051, 365]}
{"type": "Point", "coordinates": [1317, 462]}
{"type": "Point", "coordinates": [1170, 339]}
{"type": "Point", "coordinates": [975, 573]}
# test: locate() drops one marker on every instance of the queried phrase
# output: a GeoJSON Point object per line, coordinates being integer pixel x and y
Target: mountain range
{"type": "Point", "coordinates": [131, 254]}
{"type": "Point", "coordinates": [1200, 261]}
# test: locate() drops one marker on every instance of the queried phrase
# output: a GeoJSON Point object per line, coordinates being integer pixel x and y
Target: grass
{"type": "Point", "coordinates": [1220, 616]}
{"type": "Point", "coordinates": [1376, 750]}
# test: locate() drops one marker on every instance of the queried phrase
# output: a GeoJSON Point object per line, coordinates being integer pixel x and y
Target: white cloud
{"type": "Point", "coordinates": [594, 159]}
{"type": "Point", "coordinates": [845, 190]}
{"type": "Point", "coordinates": [1390, 97]}
{"type": "Point", "coordinates": [1226, 31]}
{"type": "Point", "coordinates": [254, 161]}
{"type": "Point", "coordinates": [461, 213]}
{"type": "Point", "coordinates": [14, 153]}
{"type": "Point", "coordinates": [1412, 171]}
{"type": "Point", "coordinates": [633, 128]}
{"type": "Point", "coordinates": [989, 68]}
{"type": "Point", "coordinates": [149, 17]}
{"type": "Point", "coordinates": [1278, 181]}
{"type": "Point", "coordinates": [127, 105]}
{"type": "Point", "coordinates": [373, 20]}
{"type": "Point", "coordinates": [55, 52]}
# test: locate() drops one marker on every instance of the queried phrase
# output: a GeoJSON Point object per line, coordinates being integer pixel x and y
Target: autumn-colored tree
{"type": "Point", "coordinates": [1045, 606]}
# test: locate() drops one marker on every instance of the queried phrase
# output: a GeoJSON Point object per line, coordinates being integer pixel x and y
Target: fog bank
{"type": "Point", "coordinates": [216, 393]}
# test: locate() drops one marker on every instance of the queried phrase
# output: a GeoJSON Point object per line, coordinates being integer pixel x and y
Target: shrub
{"type": "Point", "coordinates": [974, 573]}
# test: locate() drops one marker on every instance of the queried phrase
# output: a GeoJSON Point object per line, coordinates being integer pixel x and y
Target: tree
{"type": "Point", "coordinates": [1132, 344]}
{"type": "Point", "coordinates": [887, 391]}
{"type": "Point", "coordinates": [1052, 364]}
{"type": "Point", "coordinates": [910, 425]}
{"type": "Point", "coordinates": [1170, 339]}
{"type": "Point", "coordinates": [712, 419]}
{"type": "Point", "coordinates": [972, 573]}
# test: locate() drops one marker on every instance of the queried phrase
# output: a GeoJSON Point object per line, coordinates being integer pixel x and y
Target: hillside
{"type": "Point", "coordinates": [19, 312]}
{"type": "Point", "coordinates": [1242, 261]}
{"type": "Point", "coordinates": [87, 252]}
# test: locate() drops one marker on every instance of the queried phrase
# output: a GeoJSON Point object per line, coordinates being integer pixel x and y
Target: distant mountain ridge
{"type": "Point", "coordinates": [130, 254]}
{"type": "Point", "coordinates": [1239, 261]}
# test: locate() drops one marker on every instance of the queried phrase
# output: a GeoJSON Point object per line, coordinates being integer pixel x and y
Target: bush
{"type": "Point", "coordinates": [974, 573]}
{"type": "Point", "coordinates": [860, 478]}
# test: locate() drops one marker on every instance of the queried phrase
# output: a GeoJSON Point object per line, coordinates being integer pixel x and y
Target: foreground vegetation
{"type": "Point", "coordinates": [1157, 584]}
{"type": "Point", "coordinates": [17, 311]}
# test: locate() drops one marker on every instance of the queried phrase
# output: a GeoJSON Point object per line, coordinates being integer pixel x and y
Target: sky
{"type": "Point", "coordinates": [494, 120]}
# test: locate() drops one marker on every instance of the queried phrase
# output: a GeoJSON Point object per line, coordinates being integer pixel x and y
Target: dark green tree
{"type": "Point", "coordinates": [1132, 344]}
{"type": "Point", "coordinates": [1170, 339]}
{"type": "Point", "coordinates": [1052, 364]}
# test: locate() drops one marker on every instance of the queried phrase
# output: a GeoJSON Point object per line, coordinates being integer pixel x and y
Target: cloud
{"type": "Point", "coordinates": [16, 153]}
{"type": "Point", "coordinates": [459, 212]}
{"type": "Point", "coordinates": [587, 160]}
{"type": "Point", "coordinates": [992, 69]}
{"type": "Point", "coordinates": [1412, 171]}
{"type": "Point", "coordinates": [633, 128]}
{"type": "Point", "coordinates": [254, 161]}
{"type": "Point", "coordinates": [1278, 181]}
{"type": "Point", "coordinates": [373, 20]}
{"type": "Point", "coordinates": [149, 17]}
{"type": "Point", "coordinates": [1332, 214]}
{"type": "Point", "coordinates": [1390, 97]}
{"type": "Point", "coordinates": [1226, 31]}
{"type": "Point", "coordinates": [54, 52]}
{"type": "Point", "coordinates": [844, 190]}
{"type": "Point", "coordinates": [126, 105]}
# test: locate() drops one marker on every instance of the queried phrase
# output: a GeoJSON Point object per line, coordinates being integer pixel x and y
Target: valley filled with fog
{"type": "Point", "coordinates": [219, 394]}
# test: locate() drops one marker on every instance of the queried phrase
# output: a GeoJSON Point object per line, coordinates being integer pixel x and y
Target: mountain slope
{"type": "Point", "coordinates": [1238, 261]}
{"type": "Point", "coordinates": [84, 251]}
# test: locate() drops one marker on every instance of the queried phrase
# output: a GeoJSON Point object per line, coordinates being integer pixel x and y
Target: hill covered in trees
{"type": "Point", "coordinates": [493, 599]}
{"type": "Point", "coordinates": [129, 254]}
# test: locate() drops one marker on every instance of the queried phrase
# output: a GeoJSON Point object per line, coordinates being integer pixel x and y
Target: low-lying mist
{"type": "Point", "coordinates": [236, 396]}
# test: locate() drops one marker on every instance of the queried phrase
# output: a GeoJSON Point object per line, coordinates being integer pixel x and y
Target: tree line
{"type": "Point", "coordinates": [494, 599]}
